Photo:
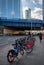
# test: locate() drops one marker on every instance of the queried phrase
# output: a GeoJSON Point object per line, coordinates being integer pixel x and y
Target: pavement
{"type": "Point", "coordinates": [36, 57]}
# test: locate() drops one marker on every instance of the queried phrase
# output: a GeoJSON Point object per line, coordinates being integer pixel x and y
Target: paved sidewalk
{"type": "Point", "coordinates": [36, 57]}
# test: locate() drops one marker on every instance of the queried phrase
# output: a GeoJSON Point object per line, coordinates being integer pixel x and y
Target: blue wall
{"type": "Point", "coordinates": [7, 8]}
{"type": "Point", "coordinates": [21, 22]}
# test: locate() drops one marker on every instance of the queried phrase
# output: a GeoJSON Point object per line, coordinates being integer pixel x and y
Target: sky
{"type": "Point", "coordinates": [10, 8]}
{"type": "Point", "coordinates": [35, 6]}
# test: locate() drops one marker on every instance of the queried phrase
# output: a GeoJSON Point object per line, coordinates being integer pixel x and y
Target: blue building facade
{"type": "Point", "coordinates": [21, 23]}
{"type": "Point", "coordinates": [10, 8]}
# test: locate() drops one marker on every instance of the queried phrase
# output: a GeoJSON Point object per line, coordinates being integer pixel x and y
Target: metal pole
{"type": "Point", "coordinates": [7, 8]}
{"type": "Point", "coordinates": [31, 29]}
{"type": "Point", "coordinates": [13, 13]}
{"type": "Point", "coordinates": [0, 7]}
{"type": "Point", "coordinates": [13, 5]}
{"type": "Point", "coordinates": [31, 26]}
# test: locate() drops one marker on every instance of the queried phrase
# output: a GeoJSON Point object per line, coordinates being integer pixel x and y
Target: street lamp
{"type": "Point", "coordinates": [12, 14]}
{"type": "Point", "coordinates": [0, 13]}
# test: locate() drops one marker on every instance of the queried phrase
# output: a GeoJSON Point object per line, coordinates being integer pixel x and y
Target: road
{"type": "Point", "coordinates": [36, 57]}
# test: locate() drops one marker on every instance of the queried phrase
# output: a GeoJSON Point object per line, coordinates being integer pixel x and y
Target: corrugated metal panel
{"type": "Point", "coordinates": [21, 22]}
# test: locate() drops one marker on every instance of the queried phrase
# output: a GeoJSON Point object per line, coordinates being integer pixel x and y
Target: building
{"type": "Point", "coordinates": [28, 14]}
{"type": "Point", "coordinates": [14, 26]}
{"type": "Point", "coordinates": [10, 8]}
{"type": "Point", "coordinates": [10, 14]}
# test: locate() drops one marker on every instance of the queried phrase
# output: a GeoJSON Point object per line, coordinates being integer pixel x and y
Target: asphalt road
{"type": "Point", "coordinates": [36, 57]}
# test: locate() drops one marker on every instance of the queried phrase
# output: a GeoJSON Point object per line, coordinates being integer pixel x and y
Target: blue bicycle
{"type": "Point", "coordinates": [13, 53]}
